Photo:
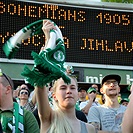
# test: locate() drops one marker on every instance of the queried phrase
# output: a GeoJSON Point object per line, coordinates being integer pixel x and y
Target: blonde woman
{"type": "Point", "coordinates": [63, 118]}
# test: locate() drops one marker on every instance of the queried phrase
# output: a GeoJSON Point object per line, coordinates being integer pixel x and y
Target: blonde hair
{"type": "Point", "coordinates": [60, 123]}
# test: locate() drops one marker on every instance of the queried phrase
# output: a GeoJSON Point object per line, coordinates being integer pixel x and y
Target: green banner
{"type": "Point", "coordinates": [89, 75]}
{"type": "Point", "coordinates": [13, 69]}
{"type": "Point", "coordinates": [93, 75]}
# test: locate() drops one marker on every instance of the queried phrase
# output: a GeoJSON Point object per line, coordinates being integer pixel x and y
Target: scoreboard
{"type": "Point", "coordinates": [91, 35]}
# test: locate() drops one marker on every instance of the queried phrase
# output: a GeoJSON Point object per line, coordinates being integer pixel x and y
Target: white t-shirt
{"type": "Point", "coordinates": [110, 119]}
{"type": "Point", "coordinates": [83, 104]}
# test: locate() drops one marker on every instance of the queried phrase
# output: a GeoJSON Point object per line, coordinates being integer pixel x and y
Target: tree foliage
{"type": "Point", "coordinates": [118, 1]}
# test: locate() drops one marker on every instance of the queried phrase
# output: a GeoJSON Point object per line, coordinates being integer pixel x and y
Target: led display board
{"type": "Point", "coordinates": [91, 35]}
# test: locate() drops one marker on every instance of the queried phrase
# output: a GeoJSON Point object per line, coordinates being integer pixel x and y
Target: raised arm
{"type": "Point", "coordinates": [44, 109]}
{"type": "Point", "coordinates": [43, 103]}
{"type": "Point", "coordinates": [89, 104]}
{"type": "Point", "coordinates": [127, 123]}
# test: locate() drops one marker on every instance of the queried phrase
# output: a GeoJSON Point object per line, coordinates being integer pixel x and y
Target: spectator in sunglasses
{"type": "Point", "coordinates": [23, 96]}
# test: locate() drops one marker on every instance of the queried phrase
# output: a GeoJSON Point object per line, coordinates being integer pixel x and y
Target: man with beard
{"type": "Point", "coordinates": [107, 118]}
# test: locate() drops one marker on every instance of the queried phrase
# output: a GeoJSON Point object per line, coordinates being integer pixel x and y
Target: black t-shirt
{"type": "Point", "coordinates": [81, 116]}
{"type": "Point", "coordinates": [35, 112]}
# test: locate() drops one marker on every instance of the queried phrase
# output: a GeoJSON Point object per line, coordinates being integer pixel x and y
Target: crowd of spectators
{"type": "Point", "coordinates": [104, 117]}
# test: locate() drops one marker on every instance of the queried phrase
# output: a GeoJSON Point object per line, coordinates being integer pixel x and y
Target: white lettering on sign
{"type": "Point", "coordinates": [98, 79]}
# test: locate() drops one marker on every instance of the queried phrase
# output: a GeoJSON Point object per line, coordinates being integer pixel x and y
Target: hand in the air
{"type": "Point", "coordinates": [47, 26]}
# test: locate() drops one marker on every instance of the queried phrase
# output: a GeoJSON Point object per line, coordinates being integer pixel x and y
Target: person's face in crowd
{"type": "Point", "coordinates": [95, 86]}
{"type": "Point", "coordinates": [110, 88]}
{"type": "Point", "coordinates": [68, 70]}
{"type": "Point", "coordinates": [82, 94]}
{"type": "Point", "coordinates": [125, 103]}
{"type": "Point", "coordinates": [64, 94]}
{"type": "Point", "coordinates": [23, 95]}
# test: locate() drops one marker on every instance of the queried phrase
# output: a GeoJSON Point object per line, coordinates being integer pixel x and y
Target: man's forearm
{"type": "Point", "coordinates": [87, 107]}
{"type": "Point", "coordinates": [97, 127]}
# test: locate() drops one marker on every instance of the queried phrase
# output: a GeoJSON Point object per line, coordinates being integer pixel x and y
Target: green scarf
{"type": "Point", "coordinates": [48, 64]}
{"type": "Point", "coordinates": [17, 125]}
{"type": "Point", "coordinates": [13, 44]}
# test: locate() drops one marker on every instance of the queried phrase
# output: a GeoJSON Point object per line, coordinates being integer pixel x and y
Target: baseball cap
{"type": "Point", "coordinates": [111, 76]}
{"type": "Point", "coordinates": [124, 100]}
{"type": "Point", "coordinates": [79, 89]}
{"type": "Point", "coordinates": [91, 89]}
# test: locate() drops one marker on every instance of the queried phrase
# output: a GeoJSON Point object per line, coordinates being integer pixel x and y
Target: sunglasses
{"type": "Point", "coordinates": [24, 92]}
{"type": "Point", "coordinates": [109, 82]}
{"type": "Point", "coordinates": [92, 92]}
{"type": "Point", "coordinates": [7, 78]}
